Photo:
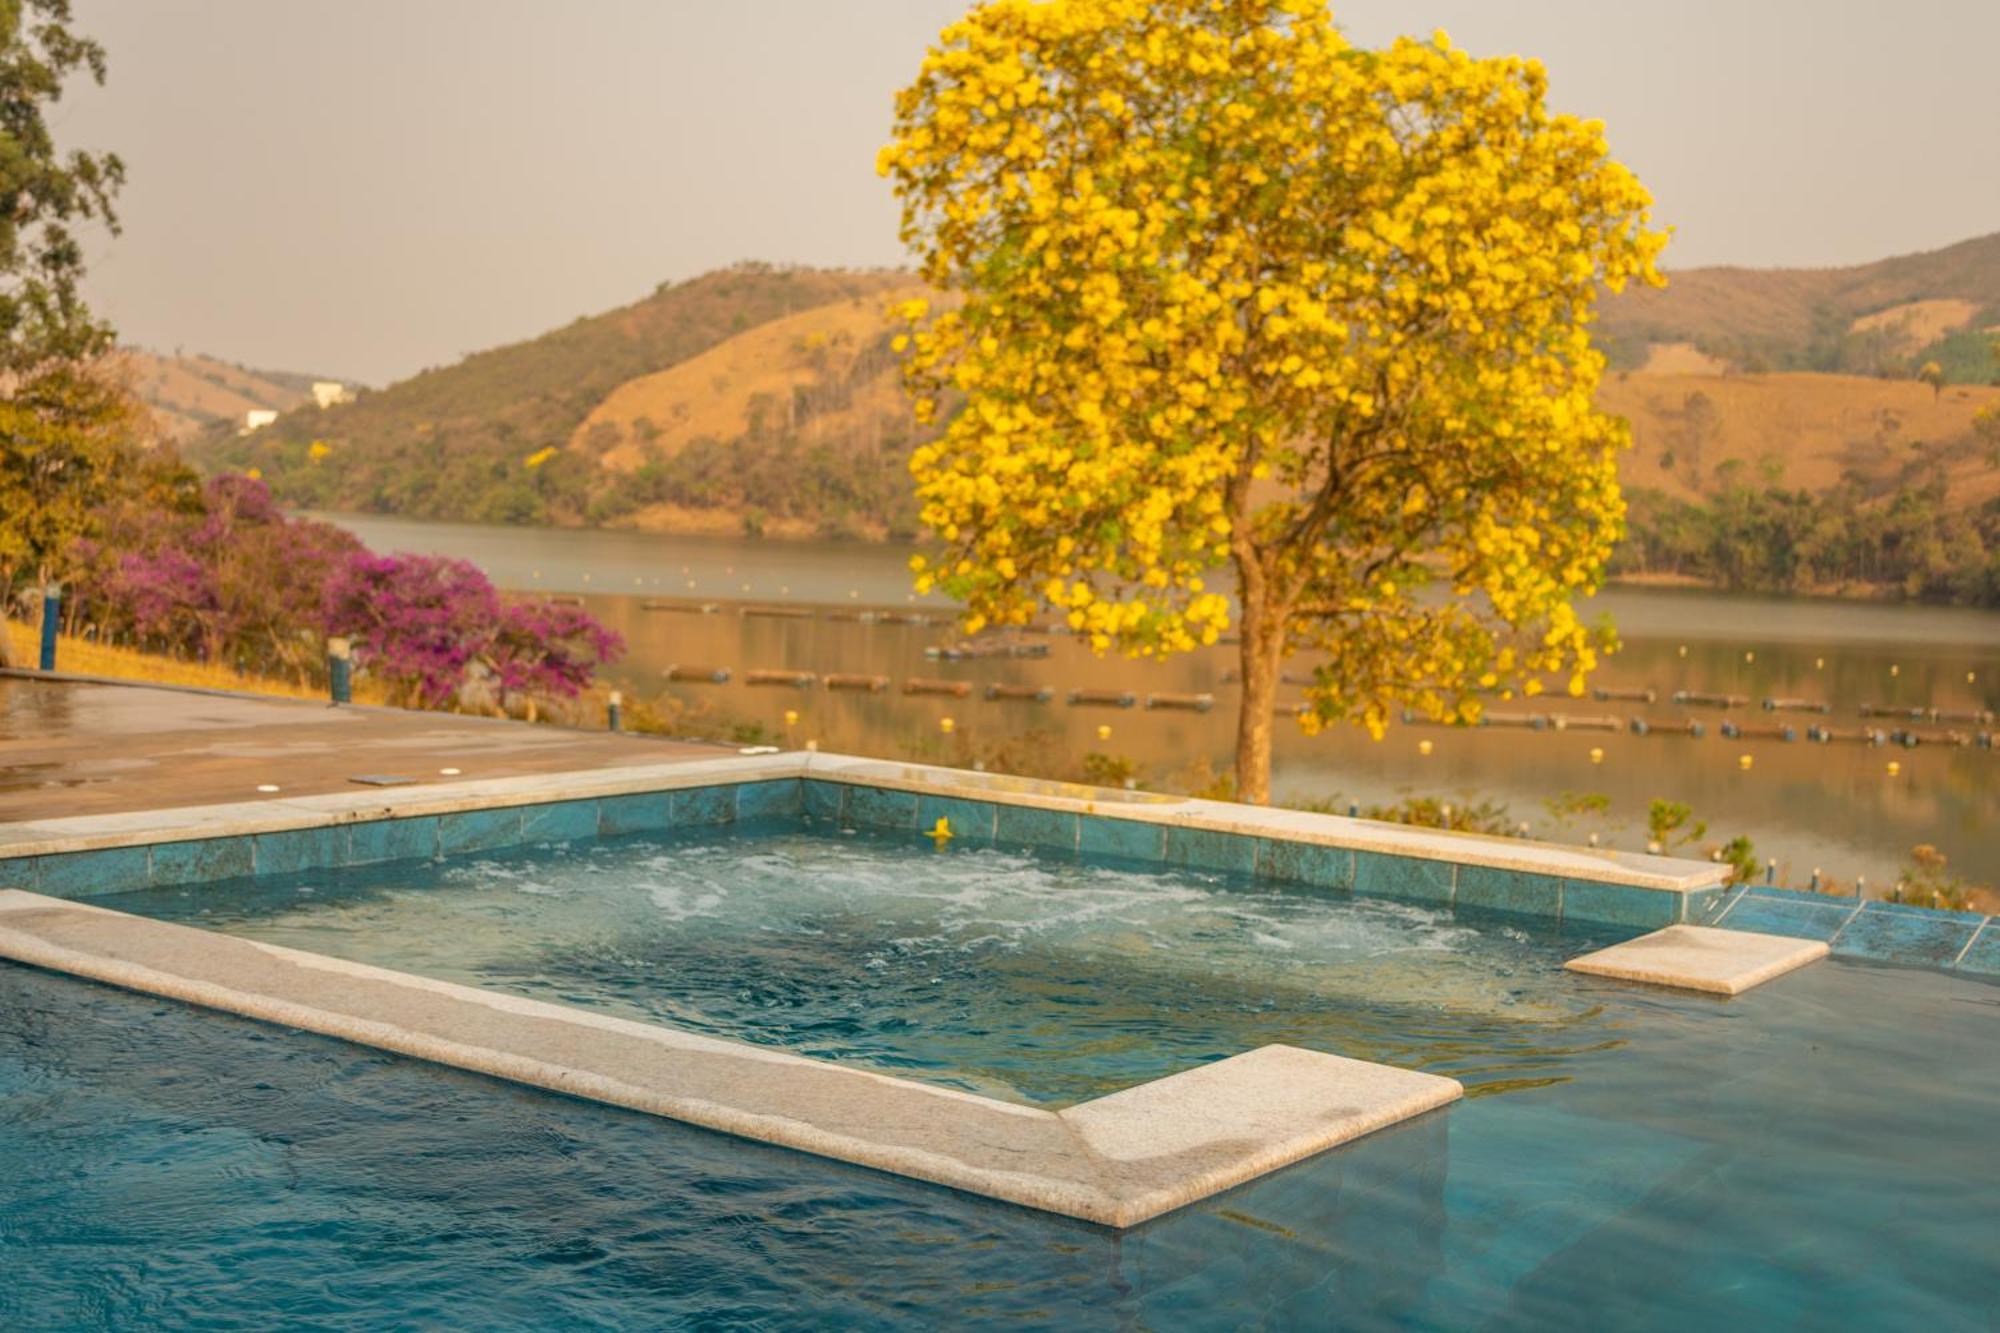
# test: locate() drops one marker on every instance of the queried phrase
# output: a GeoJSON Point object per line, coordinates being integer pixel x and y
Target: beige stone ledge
{"type": "Point", "coordinates": [1116, 1161]}
{"type": "Point", "coordinates": [93, 832]}
{"type": "Point", "coordinates": [1701, 958]}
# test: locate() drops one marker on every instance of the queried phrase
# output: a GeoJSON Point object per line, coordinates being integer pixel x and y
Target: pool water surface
{"type": "Point", "coordinates": [1814, 1154]}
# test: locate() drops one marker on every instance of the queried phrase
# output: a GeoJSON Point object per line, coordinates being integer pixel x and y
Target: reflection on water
{"type": "Point", "coordinates": [1834, 807]}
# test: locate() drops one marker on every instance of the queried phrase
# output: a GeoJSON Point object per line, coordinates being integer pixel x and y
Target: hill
{"type": "Point", "coordinates": [1885, 318]}
{"type": "Point", "coordinates": [489, 438]}
{"type": "Point", "coordinates": [766, 400]}
{"type": "Point", "coordinates": [192, 394]}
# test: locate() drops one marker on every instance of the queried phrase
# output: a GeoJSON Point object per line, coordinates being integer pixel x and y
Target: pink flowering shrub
{"type": "Point", "coordinates": [224, 575]}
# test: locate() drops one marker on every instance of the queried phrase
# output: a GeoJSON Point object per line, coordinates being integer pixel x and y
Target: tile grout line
{"type": "Point", "coordinates": [1841, 929]}
{"type": "Point", "coordinates": [1973, 939]}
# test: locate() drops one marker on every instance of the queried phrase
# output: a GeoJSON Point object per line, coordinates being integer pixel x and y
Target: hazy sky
{"type": "Point", "coordinates": [369, 187]}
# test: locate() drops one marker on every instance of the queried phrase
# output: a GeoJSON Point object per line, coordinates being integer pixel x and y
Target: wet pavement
{"type": "Point", "coordinates": [80, 748]}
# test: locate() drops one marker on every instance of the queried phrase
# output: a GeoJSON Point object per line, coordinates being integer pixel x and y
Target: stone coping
{"type": "Point", "coordinates": [93, 832]}
{"type": "Point", "coordinates": [1116, 1161]}
{"type": "Point", "coordinates": [1701, 958]}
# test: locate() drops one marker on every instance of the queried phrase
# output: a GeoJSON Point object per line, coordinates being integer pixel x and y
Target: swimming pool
{"type": "Point", "coordinates": [1811, 1154]}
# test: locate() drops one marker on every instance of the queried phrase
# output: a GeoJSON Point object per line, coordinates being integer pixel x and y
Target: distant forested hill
{"type": "Point", "coordinates": [1886, 318]}
{"type": "Point", "coordinates": [500, 436]}
{"type": "Point", "coordinates": [1775, 415]}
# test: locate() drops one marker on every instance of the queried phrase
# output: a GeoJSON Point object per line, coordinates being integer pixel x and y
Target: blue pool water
{"type": "Point", "coordinates": [1816, 1154]}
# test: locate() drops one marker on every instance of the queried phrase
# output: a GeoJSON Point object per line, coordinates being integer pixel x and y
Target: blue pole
{"type": "Point", "coordinates": [339, 671]}
{"type": "Point", "coordinates": [51, 619]}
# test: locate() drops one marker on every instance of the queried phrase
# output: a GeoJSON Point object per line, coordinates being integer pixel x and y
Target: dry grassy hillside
{"type": "Point", "coordinates": [188, 394]}
{"type": "Point", "coordinates": [1693, 432]}
{"type": "Point", "coordinates": [774, 368]}
{"type": "Point", "coordinates": [1884, 318]}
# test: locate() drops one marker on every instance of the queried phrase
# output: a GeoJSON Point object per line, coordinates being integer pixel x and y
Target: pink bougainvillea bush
{"type": "Point", "coordinates": [221, 574]}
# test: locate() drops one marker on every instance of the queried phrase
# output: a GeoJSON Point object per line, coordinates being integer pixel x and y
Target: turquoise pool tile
{"type": "Point", "coordinates": [202, 861]}
{"type": "Point", "coordinates": [825, 800]}
{"type": "Point", "coordinates": [1024, 825]}
{"type": "Point", "coordinates": [17, 872]}
{"type": "Point", "coordinates": [1305, 863]}
{"type": "Point", "coordinates": [80, 874]}
{"type": "Point", "coordinates": [702, 806]}
{"type": "Point", "coordinates": [769, 800]}
{"type": "Point", "coordinates": [646, 812]}
{"type": "Point", "coordinates": [1518, 891]}
{"type": "Point", "coordinates": [1619, 905]}
{"type": "Point", "coordinates": [297, 850]}
{"type": "Point", "coordinates": [479, 830]}
{"type": "Point", "coordinates": [879, 807]}
{"type": "Point", "coordinates": [1409, 878]}
{"type": "Point", "coordinates": [559, 821]}
{"type": "Point", "coordinates": [1767, 915]}
{"type": "Point", "coordinates": [1918, 937]}
{"type": "Point", "coordinates": [971, 822]}
{"type": "Point", "coordinates": [1210, 849]}
{"type": "Point", "coordinates": [392, 840]}
{"type": "Point", "coordinates": [1122, 839]}
{"type": "Point", "coordinates": [1983, 957]}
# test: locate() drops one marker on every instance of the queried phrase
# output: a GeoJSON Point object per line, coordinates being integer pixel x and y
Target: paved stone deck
{"type": "Point", "coordinates": [1117, 1161]}
{"type": "Point", "coordinates": [1701, 958]}
{"type": "Point", "coordinates": [75, 748]}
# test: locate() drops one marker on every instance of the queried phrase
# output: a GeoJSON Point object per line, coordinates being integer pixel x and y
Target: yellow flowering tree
{"type": "Point", "coordinates": [1239, 296]}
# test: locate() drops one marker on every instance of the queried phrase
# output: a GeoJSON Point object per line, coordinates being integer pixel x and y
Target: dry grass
{"type": "Point", "coordinates": [185, 392]}
{"type": "Point", "coordinates": [1917, 324]}
{"type": "Point", "coordinates": [1814, 428]}
{"type": "Point", "coordinates": [84, 658]}
{"type": "Point", "coordinates": [710, 394]}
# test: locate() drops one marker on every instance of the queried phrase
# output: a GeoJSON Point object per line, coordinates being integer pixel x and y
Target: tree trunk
{"type": "Point", "coordinates": [1263, 635]}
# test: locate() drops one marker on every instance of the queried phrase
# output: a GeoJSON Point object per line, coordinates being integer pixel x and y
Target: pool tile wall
{"type": "Point", "coordinates": [1456, 873]}
{"type": "Point", "coordinates": [1440, 883]}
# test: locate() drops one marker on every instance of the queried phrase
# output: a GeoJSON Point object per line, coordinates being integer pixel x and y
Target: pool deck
{"type": "Point", "coordinates": [70, 746]}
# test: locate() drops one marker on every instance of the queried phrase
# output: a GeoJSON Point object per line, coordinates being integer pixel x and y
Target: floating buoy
{"type": "Point", "coordinates": [1749, 656]}
{"type": "Point", "coordinates": [1423, 747]}
{"type": "Point", "coordinates": [1684, 650]}
{"type": "Point", "coordinates": [1895, 670]}
{"type": "Point", "coordinates": [791, 717]}
{"type": "Point", "coordinates": [957, 689]}
{"type": "Point", "coordinates": [797, 679]}
{"type": "Point", "coordinates": [1895, 767]}
{"type": "Point", "coordinates": [1596, 754]}
{"type": "Point", "coordinates": [1197, 703]}
{"type": "Point", "coordinates": [1102, 698]}
{"type": "Point", "coordinates": [1104, 731]}
{"type": "Point", "coordinates": [1040, 694]}
{"type": "Point", "coordinates": [941, 831]}
{"type": "Point", "coordinates": [1819, 664]}
{"type": "Point", "coordinates": [1745, 760]}
{"type": "Point", "coordinates": [947, 725]}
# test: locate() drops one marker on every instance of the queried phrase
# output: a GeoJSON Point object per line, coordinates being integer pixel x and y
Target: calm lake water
{"type": "Point", "coordinates": [1833, 807]}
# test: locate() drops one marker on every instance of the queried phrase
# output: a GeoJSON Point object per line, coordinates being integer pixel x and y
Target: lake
{"type": "Point", "coordinates": [1834, 807]}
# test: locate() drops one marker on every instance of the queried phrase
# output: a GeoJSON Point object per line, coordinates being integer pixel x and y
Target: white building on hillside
{"type": "Point", "coordinates": [328, 392]}
{"type": "Point", "coordinates": [256, 419]}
